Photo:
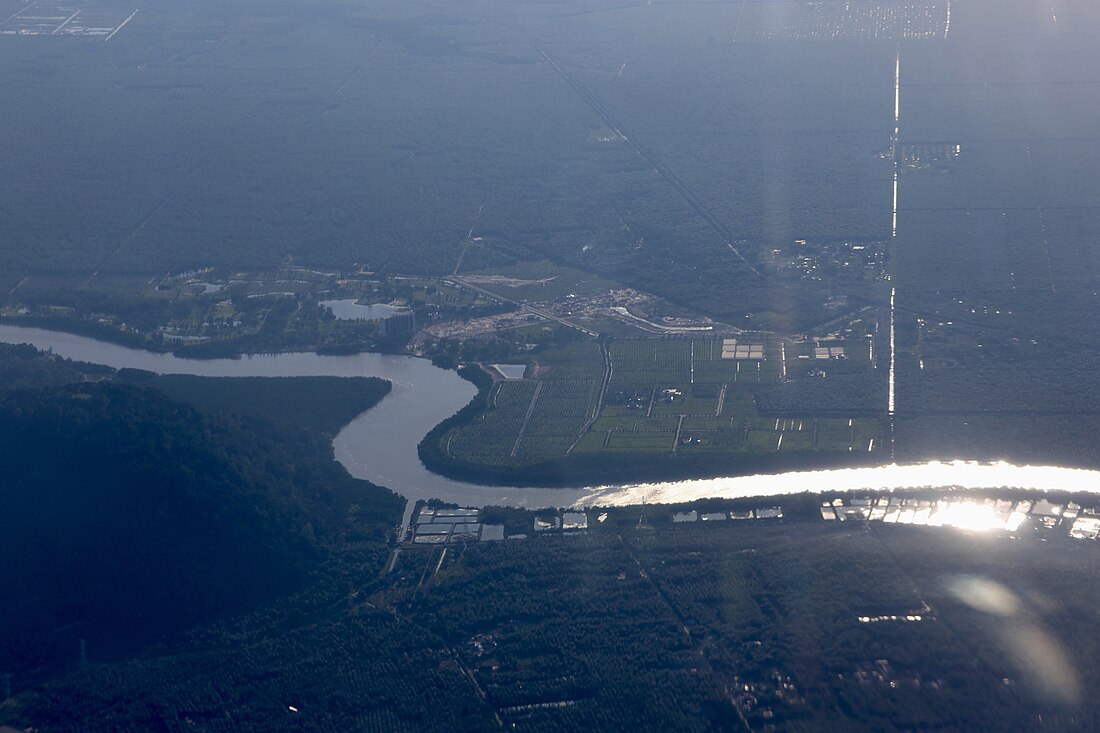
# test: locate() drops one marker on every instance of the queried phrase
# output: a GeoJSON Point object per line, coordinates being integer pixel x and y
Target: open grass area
{"type": "Point", "coordinates": [650, 441]}
{"type": "Point", "coordinates": [539, 280]}
{"type": "Point", "coordinates": [571, 360]}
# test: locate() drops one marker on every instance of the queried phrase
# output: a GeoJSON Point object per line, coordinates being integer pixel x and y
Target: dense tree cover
{"type": "Point", "coordinates": [127, 517]}
{"type": "Point", "coordinates": [338, 139]}
{"type": "Point", "coordinates": [632, 626]}
{"type": "Point", "coordinates": [319, 404]}
{"type": "Point", "coordinates": [23, 367]}
{"type": "Point", "coordinates": [315, 404]}
{"type": "Point", "coordinates": [773, 606]}
{"type": "Point", "coordinates": [842, 395]}
{"type": "Point", "coordinates": [244, 317]}
{"type": "Point", "coordinates": [342, 664]}
{"type": "Point", "coordinates": [996, 262]}
{"type": "Point", "coordinates": [430, 447]}
{"type": "Point", "coordinates": [80, 327]}
{"type": "Point", "coordinates": [341, 141]}
{"type": "Point", "coordinates": [590, 470]}
{"type": "Point", "coordinates": [1040, 440]}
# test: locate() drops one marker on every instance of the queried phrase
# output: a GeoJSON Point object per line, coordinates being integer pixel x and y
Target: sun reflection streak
{"type": "Point", "coordinates": [961, 475]}
{"type": "Point", "coordinates": [967, 515]}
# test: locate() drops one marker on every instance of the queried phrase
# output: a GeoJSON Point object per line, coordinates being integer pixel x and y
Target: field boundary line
{"type": "Point", "coordinates": [527, 417]}
{"type": "Point", "coordinates": [608, 370]}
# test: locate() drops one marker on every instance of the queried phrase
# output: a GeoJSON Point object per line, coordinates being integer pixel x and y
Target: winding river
{"type": "Point", "coordinates": [380, 444]}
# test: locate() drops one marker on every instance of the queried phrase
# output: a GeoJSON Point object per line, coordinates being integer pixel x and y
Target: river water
{"type": "Point", "coordinates": [380, 445]}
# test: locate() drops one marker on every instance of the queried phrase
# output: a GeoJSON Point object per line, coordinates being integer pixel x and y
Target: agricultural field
{"type": "Point", "coordinates": [688, 398]}
{"type": "Point", "coordinates": [528, 421]}
{"type": "Point", "coordinates": [492, 436]}
{"type": "Point", "coordinates": [693, 401]}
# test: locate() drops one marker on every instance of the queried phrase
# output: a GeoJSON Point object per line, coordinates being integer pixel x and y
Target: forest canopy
{"type": "Point", "coordinates": [124, 514]}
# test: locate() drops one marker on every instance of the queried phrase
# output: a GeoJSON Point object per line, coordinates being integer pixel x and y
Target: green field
{"type": "Point", "coordinates": [658, 387]}
{"type": "Point", "coordinates": [691, 361]}
{"type": "Point", "coordinates": [528, 421]}
{"type": "Point", "coordinates": [492, 435]}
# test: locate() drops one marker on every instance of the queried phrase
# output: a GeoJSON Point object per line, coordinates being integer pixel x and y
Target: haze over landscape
{"type": "Point", "coordinates": [568, 365]}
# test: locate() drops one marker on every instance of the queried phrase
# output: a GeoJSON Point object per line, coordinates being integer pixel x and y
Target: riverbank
{"type": "Point", "coordinates": [380, 445]}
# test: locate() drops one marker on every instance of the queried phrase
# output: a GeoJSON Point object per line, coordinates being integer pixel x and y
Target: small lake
{"type": "Point", "coordinates": [349, 310]}
{"type": "Point", "coordinates": [380, 445]}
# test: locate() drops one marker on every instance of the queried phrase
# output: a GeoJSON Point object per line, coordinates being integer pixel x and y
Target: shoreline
{"type": "Point", "coordinates": [379, 445]}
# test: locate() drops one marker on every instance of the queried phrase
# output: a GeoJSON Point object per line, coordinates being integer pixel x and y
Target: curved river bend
{"type": "Point", "coordinates": [380, 445]}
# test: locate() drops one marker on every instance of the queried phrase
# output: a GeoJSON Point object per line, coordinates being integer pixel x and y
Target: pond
{"type": "Point", "coordinates": [349, 310]}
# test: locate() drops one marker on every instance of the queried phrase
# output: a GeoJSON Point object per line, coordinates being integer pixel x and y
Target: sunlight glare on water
{"type": "Point", "coordinates": [967, 515]}
{"type": "Point", "coordinates": [935, 474]}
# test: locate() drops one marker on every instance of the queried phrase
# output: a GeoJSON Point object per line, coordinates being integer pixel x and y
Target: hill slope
{"type": "Point", "coordinates": [124, 515]}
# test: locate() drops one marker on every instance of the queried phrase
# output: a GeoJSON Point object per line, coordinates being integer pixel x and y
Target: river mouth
{"type": "Point", "coordinates": [380, 445]}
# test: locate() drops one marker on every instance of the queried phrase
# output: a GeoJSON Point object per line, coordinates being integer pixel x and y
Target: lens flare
{"type": "Point", "coordinates": [967, 515]}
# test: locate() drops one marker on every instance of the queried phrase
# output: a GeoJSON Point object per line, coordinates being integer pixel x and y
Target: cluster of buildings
{"type": "Point", "coordinates": [732, 349]}
{"type": "Point", "coordinates": [774, 512]}
{"type": "Point", "coordinates": [568, 521]}
{"type": "Point", "coordinates": [1006, 515]}
{"type": "Point", "coordinates": [443, 526]}
{"type": "Point", "coordinates": [447, 526]}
